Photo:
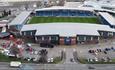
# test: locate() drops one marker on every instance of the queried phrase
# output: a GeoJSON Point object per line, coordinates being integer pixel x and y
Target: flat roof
{"type": "Point", "coordinates": [64, 8]}
{"type": "Point", "coordinates": [72, 4]}
{"type": "Point", "coordinates": [20, 18]}
{"type": "Point", "coordinates": [94, 4]}
{"type": "Point", "coordinates": [97, 5]}
{"type": "Point", "coordinates": [67, 29]}
{"type": "Point", "coordinates": [108, 17]}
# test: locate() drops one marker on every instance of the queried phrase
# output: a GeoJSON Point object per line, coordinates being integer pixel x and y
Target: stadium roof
{"type": "Point", "coordinates": [20, 18]}
{"type": "Point", "coordinates": [108, 17]}
{"type": "Point", "coordinates": [67, 29]}
{"type": "Point", "coordinates": [101, 5]}
{"type": "Point", "coordinates": [64, 7]}
{"type": "Point", "coordinates": [72, 4]}
{"type": "Point", "coordinates": [93, 4]}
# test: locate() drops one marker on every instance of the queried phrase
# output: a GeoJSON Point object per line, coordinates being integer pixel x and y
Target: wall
{"type": "Point", "coordinates": [67, 41]}
{"type": "Point", "coordinates": [54, 39]}
{"type": "Point", "coordinates": [87, 39]}
{"type": "Point", "coordinates": [106, 34]}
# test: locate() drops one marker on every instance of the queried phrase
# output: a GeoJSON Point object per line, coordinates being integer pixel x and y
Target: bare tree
{"type": "Point", "coordinates": [14, 50]}
{"type": "Point", "coordinates": [43, 58]}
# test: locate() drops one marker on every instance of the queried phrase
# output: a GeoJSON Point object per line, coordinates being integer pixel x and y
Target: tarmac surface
{"type": "Point", "coordinates": [5, 66]}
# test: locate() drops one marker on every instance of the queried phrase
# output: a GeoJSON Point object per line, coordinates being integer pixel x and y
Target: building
{"type": "Point", "coordinates": [67, 33]}
{"type": "Point", "coordinates": [64, 33]}
{"type": "Point", "coordinates": [64, 11]}
{"type": "Point", "coordinates": [73, 4]}
{"type": "Point", "coordinates": [75, 0]}
{"type": "Point", "coordinates": [107, 19]}
{"type": "Point", "coordinates": [19, 21]}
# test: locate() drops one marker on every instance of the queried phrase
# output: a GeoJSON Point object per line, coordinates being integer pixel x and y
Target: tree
{"type": "Point", "coordinates": [5, 13]}
{"type": "Point", "coordinates": [43, 58]}
{"type": "Point", "coordinates": [9, 12]}
{"type": "Point", "coordinates": [14, 50]}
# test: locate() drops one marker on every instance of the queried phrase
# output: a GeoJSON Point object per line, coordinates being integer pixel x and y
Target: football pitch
{"type": "Point", "coordinates": [35, 20]}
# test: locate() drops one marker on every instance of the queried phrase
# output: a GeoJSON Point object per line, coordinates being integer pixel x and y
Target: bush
{"type": "Point", "coordinates": [57, 60]}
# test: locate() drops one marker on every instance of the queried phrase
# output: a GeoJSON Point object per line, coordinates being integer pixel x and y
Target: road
{"type": "Point", "coordinates": [69, 55]}
{"type": "Point", "coordinates": [5, 66]}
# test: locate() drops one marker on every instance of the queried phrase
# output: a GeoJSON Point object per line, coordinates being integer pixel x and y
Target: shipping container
{"type": "Point", "coordinates": [67, 41]}
{"type": "Point", "coordinates": [61, 42]}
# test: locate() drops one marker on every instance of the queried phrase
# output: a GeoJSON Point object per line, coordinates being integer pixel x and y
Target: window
{"type": "Point", "coordinates": [54, 38]}
{"type": "Point", "coordinates": [110, 34]}
{"type": "Point", "coordinates": [78, 38]}
{"type": "Point", "coordinates": [24, 33]}
{"type": "Point", "coordinates": [39, 38]}
{"type": "Point", "coordinates": [36, 38]}
{"type": "Point", "coordinates": [46, 37]}
{"type": "Point", "coordinates": [31, 33]}
{"type": "Point", "coordinates": [101, 33]}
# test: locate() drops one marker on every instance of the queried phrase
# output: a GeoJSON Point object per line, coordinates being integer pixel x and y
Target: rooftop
{"type": "Point", "coordinates": [67, 29]}
{"type": "Point", "coordinates": [108, 17]}
{"type": "Point", "coordinates": [20, 18]}
{"type": "Point", "coordinates": [64, 7]}
{"type": "Point", "coordinates": [73, 4]}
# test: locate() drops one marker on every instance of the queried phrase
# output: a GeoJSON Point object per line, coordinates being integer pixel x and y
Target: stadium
{"type": "Point", "coordinates": [65, 26]}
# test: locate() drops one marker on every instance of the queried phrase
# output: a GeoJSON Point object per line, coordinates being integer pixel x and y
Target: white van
{"type": "Point", "coordinates": [15, 64]}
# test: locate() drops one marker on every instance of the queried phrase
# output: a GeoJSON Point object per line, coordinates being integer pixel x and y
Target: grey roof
{"type": "Point", "coordinates": [108, 17]}
{"type": "Point", "coordinates": [67, 29]}
{"type": "Point", "coordinates": [64, 8]}
{"type": "Point", "coordinates": [20, 18]}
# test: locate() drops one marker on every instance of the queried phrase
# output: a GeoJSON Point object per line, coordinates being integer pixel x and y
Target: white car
{"type": "Point", "coordinates": [96, 59]}
{"type": "Point", "coordinates": [15, 64]}
{"type": "Point", "coordinates": [48, 60]}
{"type": "Point", "coordinates": [51, 60]}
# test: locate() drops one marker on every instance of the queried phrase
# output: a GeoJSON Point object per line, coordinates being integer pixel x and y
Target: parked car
{"type": "Point", "coordinates": [46, 45]}
{"type": "Point", "coordinates": [71, 60]}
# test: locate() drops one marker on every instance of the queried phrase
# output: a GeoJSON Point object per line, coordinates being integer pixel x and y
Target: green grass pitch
{"type": "Point", "coordinates": [35, 20]}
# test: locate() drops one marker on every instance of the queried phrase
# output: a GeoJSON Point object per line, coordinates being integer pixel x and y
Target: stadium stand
{"type": "Point", "coordinates": [67, 33]}
{"type": "Point", "coordinates": [63, 11]}
{"type": "Point", "coordinates": [107, 19]}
